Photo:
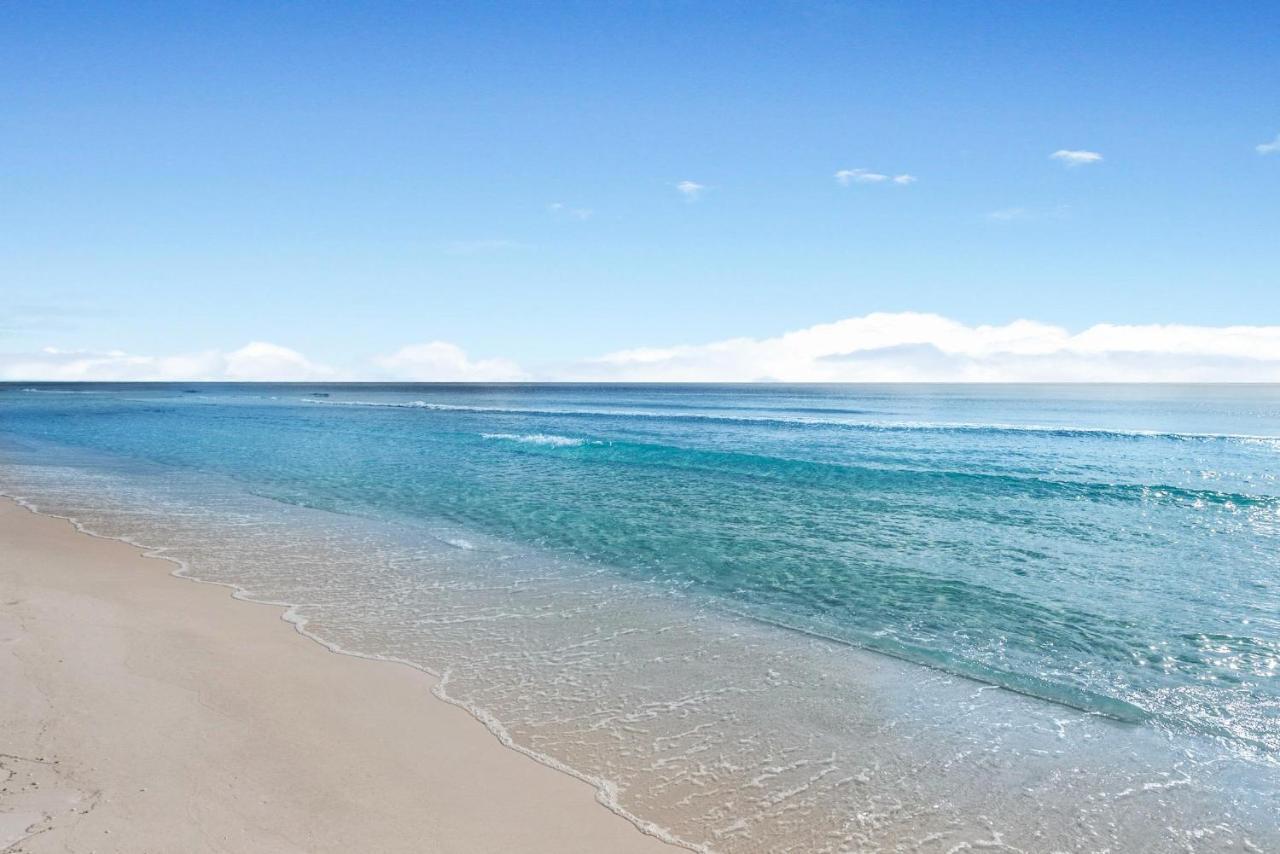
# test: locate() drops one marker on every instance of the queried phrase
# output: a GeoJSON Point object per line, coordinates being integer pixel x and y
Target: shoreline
{"type": "Point", "coordinates": [137, 716]}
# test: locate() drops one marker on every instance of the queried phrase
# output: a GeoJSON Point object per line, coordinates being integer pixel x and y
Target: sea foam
{"type": "Point", "coordinates": [537, 439]}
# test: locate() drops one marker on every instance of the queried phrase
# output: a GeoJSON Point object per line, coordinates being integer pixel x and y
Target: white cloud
{"type": "Point", "coordinates": [1271, 147]}
{"type": "Point", "coordinates": [691, 190]}
{"type": "Point", "coordinates": [262, 361]}
{"type": "Point", "coordinates": [913, 347]}
{"type": "Point", "coordinates": [255, 361]}
{"type": "Point", "coordinates": [1076, 157]}
{"type": "Point", "coordinates": [845, 177]}
{"type": "Point", "coordinates": [562, 210]}
{"type": "Point", "coordinates": [440, 361]}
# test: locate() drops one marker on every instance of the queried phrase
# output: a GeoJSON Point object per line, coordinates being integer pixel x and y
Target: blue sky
{"type": "Point", "coordinates": [347, 180]}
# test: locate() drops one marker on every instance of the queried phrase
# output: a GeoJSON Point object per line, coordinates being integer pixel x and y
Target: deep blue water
{"type": "Point", "coordinates": [1109, 549]}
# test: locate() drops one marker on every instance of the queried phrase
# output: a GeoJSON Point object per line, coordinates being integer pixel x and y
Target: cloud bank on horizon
{"type": "Point", "coordinates": [256, 361]}
{"type": "Point", "coordinates": [878, 347]}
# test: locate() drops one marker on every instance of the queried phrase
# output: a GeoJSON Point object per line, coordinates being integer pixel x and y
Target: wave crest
{"type": "Point", "coordinates": [549, 439]}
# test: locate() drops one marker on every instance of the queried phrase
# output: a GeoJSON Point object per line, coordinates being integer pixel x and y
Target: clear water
{"type": "Point", "coordinates": [901, 618]}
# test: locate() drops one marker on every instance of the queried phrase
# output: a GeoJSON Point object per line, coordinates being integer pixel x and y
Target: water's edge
{"type": "Point", "coordinates": [606, 790]}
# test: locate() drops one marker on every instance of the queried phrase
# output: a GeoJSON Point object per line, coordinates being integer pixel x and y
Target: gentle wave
{"type": "Point", "coordinates": [994, 428]}
{"type": "Point", "coordinates": [537, 439]}
{"type": "Point", "coordinates": [790, 469]}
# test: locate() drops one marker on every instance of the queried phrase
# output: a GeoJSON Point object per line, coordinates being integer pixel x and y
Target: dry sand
{"type": "Point", "coordinates": [145, 713]}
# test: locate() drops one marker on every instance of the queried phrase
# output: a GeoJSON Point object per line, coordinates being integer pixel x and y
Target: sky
{"type": "Point", "coordinates": [640, 191]}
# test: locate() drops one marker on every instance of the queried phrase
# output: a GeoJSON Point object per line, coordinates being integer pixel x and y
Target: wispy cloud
{"type": "Point", "coordinates": [562, 210]}
{"type": "Point", "coordinates": [691, 190]}
{"type": "Point", "coordinates": [32, 318]}
{"type": "Point", "coordinates": [479, 247]}
{"type": "Point", "coordinates": [1021, 214]}
{"type": "Point", "coordinates": [1076, 157]}
{"type": "Point", "coordinates": [1271, 147]}
{"type": "Point", "coordinates": [1009, 214]}
{"type": "Point", "coordinates": [845, 177]}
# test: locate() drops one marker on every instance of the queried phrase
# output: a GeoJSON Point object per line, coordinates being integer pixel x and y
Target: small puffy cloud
{"type": "Point", "coordinates": [1076, 157]}
{"type": "Point", "coordinates": [1271, 147]}
{"type": "Point", "coordinates": [258, 360]}
{"type": "Point", "coordinates": [691, 190]}
{"type": "Point", "coordinates": [560, 209]}
{"type": "Point", "coordinates": [440, 361]}
{"type": "Point", "coordinates": [915, 347]}
{"type": "Point", "coordinates": [845, 177]}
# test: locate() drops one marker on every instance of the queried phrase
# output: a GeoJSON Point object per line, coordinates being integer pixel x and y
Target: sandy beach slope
{"type": "Point", "coordinates": [144, 713]}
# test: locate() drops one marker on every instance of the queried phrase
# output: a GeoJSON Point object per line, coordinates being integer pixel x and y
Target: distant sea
{"type": "Point", "coordinates": [757, 617]}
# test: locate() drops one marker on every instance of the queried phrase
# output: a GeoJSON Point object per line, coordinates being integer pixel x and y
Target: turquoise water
{"type": "Point", "coordinates": [632, 557]}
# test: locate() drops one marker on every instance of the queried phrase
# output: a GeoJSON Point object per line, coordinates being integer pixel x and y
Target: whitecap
{"type": "Point", "coordinates": [549, 439]}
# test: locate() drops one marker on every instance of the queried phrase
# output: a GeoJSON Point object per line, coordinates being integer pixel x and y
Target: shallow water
{"type": "Point", "coordinates": [759, 617]}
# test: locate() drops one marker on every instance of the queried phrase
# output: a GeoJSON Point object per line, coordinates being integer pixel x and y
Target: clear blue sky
{"type": "Point", "coordinates": [346, 179]}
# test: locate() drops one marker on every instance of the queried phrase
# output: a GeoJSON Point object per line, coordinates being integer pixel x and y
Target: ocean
{"type": "Point", "coordinates": [756, 617]}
